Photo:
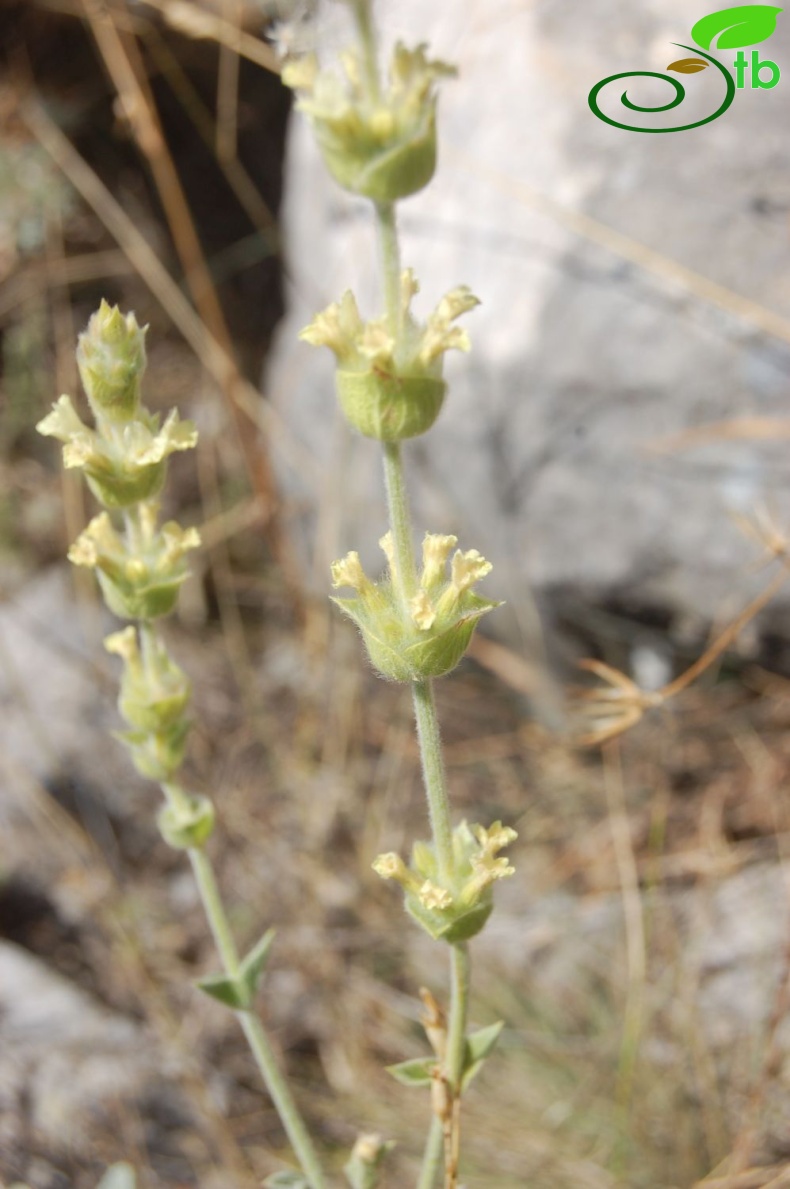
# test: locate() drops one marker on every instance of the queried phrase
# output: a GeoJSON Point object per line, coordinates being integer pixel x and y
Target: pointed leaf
{"type": "Point", "coordinates": [479, 1044]}
{"type": "Point", "coordinates": [232, 992]}
{"type": "Point", "coordinates": [418, 1072]}
{"type": "Point", "coordinates": [253, 965]}
{"type": "Point", "coordinates": [119, 1176]}
{"type": "Point", "coordinates": [287, 1179]}
{"type": "Point", "coordinates": [731, 28]}
{"type": "Point", "coordinates": [478, 1047]}
{"type": "Point", "coordinates": [688, 65]}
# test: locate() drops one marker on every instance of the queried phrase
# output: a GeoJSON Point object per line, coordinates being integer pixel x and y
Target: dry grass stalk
{"type": "Point", "coordinates": [621, 704]}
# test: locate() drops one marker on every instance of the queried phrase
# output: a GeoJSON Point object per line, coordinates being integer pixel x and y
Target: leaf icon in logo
{"type": "Point", "coordinates": [688, 65]}
{"type": "Point", "coordinates": [732, 28]}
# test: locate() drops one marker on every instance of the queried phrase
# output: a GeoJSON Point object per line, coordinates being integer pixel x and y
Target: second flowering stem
{"type": "Point", "coordinates": [251, 1025]}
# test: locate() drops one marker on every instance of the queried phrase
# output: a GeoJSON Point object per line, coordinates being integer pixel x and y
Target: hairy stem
{"type": "Point", "coordinates": [254, 1030]}
{"type": "Point", "coordinates": [389, 251]}
{"type": "Point", "coordinates": [459, 1012]}
{"type": "Point", "coordinates": [432, 1158]}
{"type": "Point", "coordinates": [363, 18]}
{"type": "Point", "coordinates": [444, 1134]}
{"type": "Point", "coordinates": [434, 777]}
{"type": "Point", "coordinates": [456, 1045]}
{"type": "Point", "coordinates": [441, 1134]}
{"type": "Point", "coordinates": [400, 520]}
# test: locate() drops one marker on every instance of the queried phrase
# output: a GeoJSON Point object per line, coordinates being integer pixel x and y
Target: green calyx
{"type": "Point", "coordinates": [111, 361]}
{"type": "Point", "coordinates": [389, 379]}
{"type": "Point", "coordinates": [377, 143]}
{"type": "Point", "coordinates": [187, 822]}
{"type": "Point", "coordinates": [457, 908]}
{"type": "Point", "coordinates": [412, 637]}
{"type": "Point", "coordinates": [141, 570]}
{"type": "Point", "coordinates": [157, 755]}
{"type": "Point", "coordinates": [124, 463]}
{"type": "Point", "coordinates": [155, 692]}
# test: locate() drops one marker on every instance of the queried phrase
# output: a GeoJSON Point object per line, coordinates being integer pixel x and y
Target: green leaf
{"type": "Point", "coordinates": [418, 1072]}
{"type": "Point", "coordinates": [119, 1176]}
{"type": "Point", "coordinates": [731, 28]}
{"type": "Point", "coordinates": [230, 991]}
{"type": "Point", "coordinates": [688, 65]}
{"type": "Point", "coordinates": [478, 1046]}
{"type": "Point", "coordinates": [253, 965]}
{"type": "Point", "coordinates": [287, 1179]}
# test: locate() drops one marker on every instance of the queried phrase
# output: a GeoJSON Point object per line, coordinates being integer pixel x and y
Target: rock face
{"type": "Point", "coordinates": [623, 278]}
{"type": "Point", "coordinates": [65, 1060]}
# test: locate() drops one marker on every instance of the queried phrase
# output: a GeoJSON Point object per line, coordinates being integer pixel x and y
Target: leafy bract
{"type": "Point", "coordinates": [418, 1072]}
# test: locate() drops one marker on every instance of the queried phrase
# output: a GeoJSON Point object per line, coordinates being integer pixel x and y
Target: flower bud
{"type": "Point", "coordinates": [186, 823]}
{"type": "Point", "coordinates": [459, 909]}
{"type": "Point", "coordinates": [390, 385]}
{"type": "Point", "coordinates": [111, 361]}
{"type": "Point", "coordinates": [426, 635]}
{"type": "Point", "coordinates": [378, 144]}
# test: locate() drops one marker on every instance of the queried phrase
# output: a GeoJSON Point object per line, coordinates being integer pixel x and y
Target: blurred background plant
{"type": "Point", "coordinates": [645, 994]}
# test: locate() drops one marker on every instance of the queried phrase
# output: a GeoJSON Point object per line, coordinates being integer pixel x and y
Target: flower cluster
{"type": "Point", "coordinates": [139, 563]}
{"type": "Point", "coordinates": [389, 379]}
{"type": "Point", "coordinates": [456, 906]}
{"type": "Point", "coordinates": [380, 143]}
{"type": "Point", "coordinates": [124, 457]}
{"type": "Point", "coordinates": [154, 699]}
{"type": "Point", "coordinates": [411, 636]}
{"type": "Point", "coordinates": [140, 570]}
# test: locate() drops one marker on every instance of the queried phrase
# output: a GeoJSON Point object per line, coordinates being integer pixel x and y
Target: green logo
{"type": "Point", "coordinates": [729, 29]}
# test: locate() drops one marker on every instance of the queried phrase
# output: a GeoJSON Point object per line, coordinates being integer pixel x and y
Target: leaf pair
{"type": "Point", "coordinates": [239, 991]}
{"type": "Point", "coordinates": [420, 1071]}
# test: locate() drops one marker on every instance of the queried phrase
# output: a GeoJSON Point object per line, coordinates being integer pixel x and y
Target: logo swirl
{"type": "Point", "coordinates": [680, 95]}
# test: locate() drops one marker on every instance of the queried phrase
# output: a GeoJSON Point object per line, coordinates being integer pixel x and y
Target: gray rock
{"type": "Point", "coordinates": [47, 682]}
{"type": "Point", "coordinates": [67, 1059]}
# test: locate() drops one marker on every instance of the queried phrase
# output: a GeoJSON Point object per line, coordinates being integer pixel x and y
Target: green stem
{"type": "Point", "coordinates": [434, 777]}
{"type": "Point", "coordinates": [367, 40]}
{"type": "Point", "coordinates": [454, 1060]}
{"type": "Point", "coordinates": [389, 250]}
{"type": "Point", "coordinates": [432, 1158]}
{"type": "Point", "coordinates": [459, 1012]}
{"type": "Point", "coordinates": [424, 703]}
{"type": "Point", "coordinates": [134, 529]}
{"type": "Point", "coordinates": [253, 1029]}
{"type": "Point", "coordinates": [400, 520]}
{"type": "Point", "coordinates": [281, 1097]}
{"type": "Point", "coordinates": [215, 910]}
